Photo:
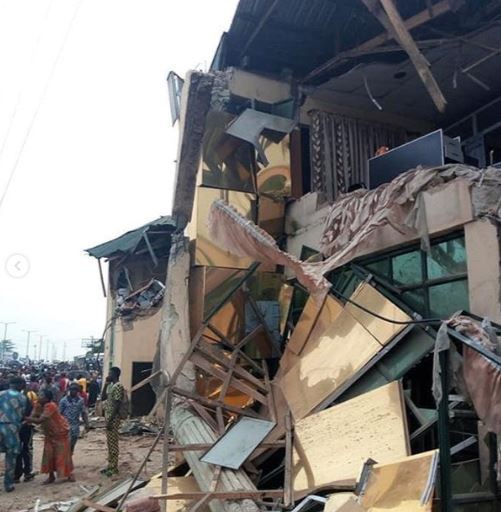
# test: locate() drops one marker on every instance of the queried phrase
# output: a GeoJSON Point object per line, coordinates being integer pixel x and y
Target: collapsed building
{"type": "Point", "coordinates": [137, 266]}
{"type": "Point", "coordinates": [329, 329]}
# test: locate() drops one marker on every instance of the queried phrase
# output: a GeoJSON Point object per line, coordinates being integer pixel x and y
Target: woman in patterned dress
{"type": "Point", "coordinates": [56, 456]}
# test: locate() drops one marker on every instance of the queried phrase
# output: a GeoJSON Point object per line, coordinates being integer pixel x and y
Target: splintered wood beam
{"type": "Point", "coordinates": [214, 404]}
{"type": "Point", "coordinates": [145, 381]}
{"type": "Point", "coordinates": [205, 446]}
{"type": "Point", "coordinates": [288, 482]}
{"type": "Point", "coordinates": [415, 21]}
{"type": "Point", "coordinates": [217, 372]}
{"type": "Point", "coordinates": [237, 495]}
{"type": "Point", "coordinates": [394, 24]}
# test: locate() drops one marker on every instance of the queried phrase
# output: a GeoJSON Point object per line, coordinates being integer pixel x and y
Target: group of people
{"type": "Point", "coordinates": [58, 406]}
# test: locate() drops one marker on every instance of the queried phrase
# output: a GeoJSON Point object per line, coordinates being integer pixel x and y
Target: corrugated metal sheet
{"type": "Point", "coordinates": [129, 241]}
{"type": "Point", "coordinates": [233, 448]}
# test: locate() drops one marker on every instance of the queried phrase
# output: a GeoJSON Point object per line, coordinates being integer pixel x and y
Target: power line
{"type": "Point", "coordinates": [40, 101]}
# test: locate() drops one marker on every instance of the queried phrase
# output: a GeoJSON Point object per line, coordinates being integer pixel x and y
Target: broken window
{"type": "Point", "coordinates": [433, 284]}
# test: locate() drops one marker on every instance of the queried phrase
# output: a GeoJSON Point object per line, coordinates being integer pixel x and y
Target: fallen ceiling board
{"type": "Point", "coordinates": [304, 326]}
{"type": "Point", "coordinates": [331, 359]}
{"type": "Point", "coordinates": [331, 309]}
{"type": "Point", "coordinates": [337, 501]}
{"type": "Point", "coordinates": [368, 297]}
{"type": "Point", "coordinates": [235, 446]}
{"type": "Point", "coordinates": [331, 446]}
{"type": "Point", "coordinates": [405, 485]}
{"type": "Point", "coordinates": [114, 493]}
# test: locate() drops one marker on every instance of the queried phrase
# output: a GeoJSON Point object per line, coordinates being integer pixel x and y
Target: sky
{"type": "Point", "coordinates": [85, 132]}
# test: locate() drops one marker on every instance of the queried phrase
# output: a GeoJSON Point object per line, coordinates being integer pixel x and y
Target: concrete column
{"type": "Point", "coordinates": [484, 275]}
{"type": "Point", "coordinates": [186, 425]}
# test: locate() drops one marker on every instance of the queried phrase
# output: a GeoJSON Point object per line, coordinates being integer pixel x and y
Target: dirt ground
{"type": "Point", "coordinates": [89, 459]}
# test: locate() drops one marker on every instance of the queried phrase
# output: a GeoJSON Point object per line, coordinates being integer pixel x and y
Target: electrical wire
{"type": "Point", "coordinates": [40, 102]}
{"type": "Point", "coordinates": [429, 321]}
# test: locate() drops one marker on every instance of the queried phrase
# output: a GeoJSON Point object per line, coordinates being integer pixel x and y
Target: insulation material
{"type": "Point", "coordinates": [332, 446]}
{"type": "Point", "coordinates": [339, 346]}
{"type": "Point", "coordinates": [356, 218]}
{"type": "Point", "coordinates": [482, 377]}
{"type": "Point", "coordinates": [230, 230]}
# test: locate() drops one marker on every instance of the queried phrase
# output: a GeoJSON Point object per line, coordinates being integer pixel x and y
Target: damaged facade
{"type": "Point", "coordinates": [333, 281]}
{"type": "Point", "coordinates": [137, 265]}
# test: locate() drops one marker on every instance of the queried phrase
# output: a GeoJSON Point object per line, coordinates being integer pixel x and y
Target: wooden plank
{"type": "Point", "coordinates": [288, 483]}
{"type": "Point", "coordinates": [368, 297]}
{"type": "Point", "coordinates": [331, 359]}
{"type": "Point", "coordinates": [304, 326]}
{"type": "Point", "coordinates": [271, 399]}
{"type": "Point", "coordinates": [146, 381]}
{"type": "Point", "coordinates": [405, 485]}
{"type": "Point", "coordinates": [330, 310]}
{"type": "Point", "coordinates": [204, 414]}
{"type": "Point", "coordinates": [215, 371]}
{"type": "Point", "coordinates": [213, 403]}
{"type": "Point", "coordinates": [177, 484]}
{"type": "Point", "coordinates": [237, 495]}
{"type": "Point", "coordinates": [229, 363]}
{"type": "Point", "coordinates": [331, 446]}
{"type": "Point", "coordinates": [96, 506]}
{"type": "Point", "coordinates": [396, 24]}
{"type": "Point", "coordinates": [415, 21]}
{"type": "Point", "coordinates": [206, 446]}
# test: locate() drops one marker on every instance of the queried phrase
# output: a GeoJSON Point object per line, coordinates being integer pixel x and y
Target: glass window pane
{"type": "Point", "coordinates": [227, 162]}
{"type": "Point", "coordinates": [416, 301]}
{"type": "Point", "coordinates": [380, 268]}
{"type": "Point", "coordinates": [447, 259]}
{"type": "Point", "coordinates": [447, 298]}
{"type": "Point", "coordinates": [407, 268]}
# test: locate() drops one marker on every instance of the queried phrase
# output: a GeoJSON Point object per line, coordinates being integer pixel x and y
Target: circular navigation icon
{"type": "Point", "coordinates": [17, 266]}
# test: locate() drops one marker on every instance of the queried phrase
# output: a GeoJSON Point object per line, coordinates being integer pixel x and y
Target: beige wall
{"type": "Point", "coordinates": [135, 342]}
{"type": "Point", "coordinates": [483, 259]}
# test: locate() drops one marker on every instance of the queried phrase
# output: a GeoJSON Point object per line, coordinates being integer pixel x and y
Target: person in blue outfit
{"type": "Point", "coordinates": [72, 407]}
{"type": "Point", "coordinates": [12, 410]}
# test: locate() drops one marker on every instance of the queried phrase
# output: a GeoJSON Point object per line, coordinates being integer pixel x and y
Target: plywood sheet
{"type": "Point", "coordinates": [304, 326]}
{"type": "Point", "coordinates": [405, 485]}
{"type": "Point", "coordinates": [331, 309]}
{"type": "Point", "coordinates": [331, 359]}
{"type": "Point", "coordinates": [175, 485]}
{"type": "Point", "coordinates": [331, 446]}
{"type": "Point", "coordinates": [370, 298]}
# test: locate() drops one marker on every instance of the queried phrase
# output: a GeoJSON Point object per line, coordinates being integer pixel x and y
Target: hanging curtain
{"type": "Point", "coordinates": [341, 147]}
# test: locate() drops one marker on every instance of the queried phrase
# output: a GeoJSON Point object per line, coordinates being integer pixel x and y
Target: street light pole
{"type": "Point", "coordinates": [42, 336]}
{"type": "Point", "coordinates": [28, 342]}
{"type": "Point", "coordinates": [5, 325]}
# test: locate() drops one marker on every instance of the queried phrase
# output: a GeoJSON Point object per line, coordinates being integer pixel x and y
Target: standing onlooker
{"type": "Point", "coordinates": [64, 382]}
{"type": "Point", "coordinates": [34, 385]}
{"type": "Point", "coordinates": [82, 381]}
{"type": "Point", "coordinates": [12, 409]}
{"type": "Point", "coordinates": [49, 385]}
{"type": "Point", "coordinates": [114, 397]}
{"type": "Point", "coordinates": [72, 407]}
{"type": "Point", "coordinates": [94, 389]}
{"type": "Point", "coordinates": [56, 458]}
{"type": "Point", "coordinates": [24, 462]}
